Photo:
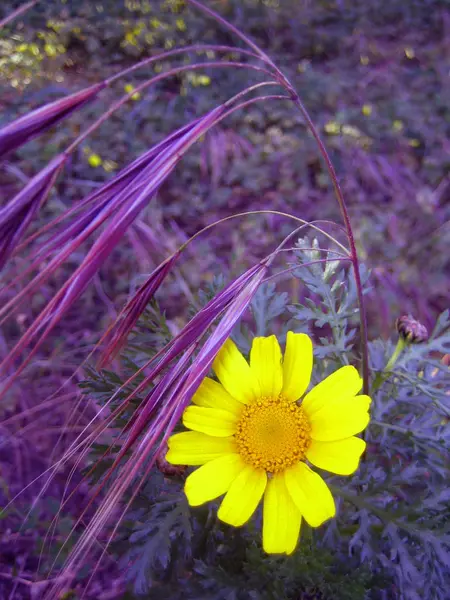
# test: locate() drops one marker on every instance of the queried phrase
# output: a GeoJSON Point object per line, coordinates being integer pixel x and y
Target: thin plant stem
{"type": "Point", "coordinates": [340, 198]}
{"type": "Point", "coordinates": [184, 50]}
{"type": "Point", "coordinates": [19, 11]}
{"type": "Point", "coordinates": [401, 344]}
{"type": "Point", "coordinates": [351, 241]}
{"type": "Point", "coordinates": [234, 29]}
{"type": "Point", "coordinates": [271, 212]}
{"type": "Point", "coordinates": [153, 80]}
{"type": "Point", "coordinates": [311, 249]}
{"type": "Point", "coordinates": [307, 264]}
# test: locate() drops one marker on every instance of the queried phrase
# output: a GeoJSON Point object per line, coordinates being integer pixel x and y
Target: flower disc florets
{"type": "Point", "coordinates": [273, 434]}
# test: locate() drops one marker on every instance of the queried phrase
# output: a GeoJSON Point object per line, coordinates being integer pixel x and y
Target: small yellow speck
{"type": "Point", "coordinates": [130, 38]}
{"type": "Point", "coordinates": [129, 87]}
{"type": "Point", "coordinates": [409, 52]}
{"type": "Point", "coordinates": [364, 59]}
{"type": "Point", "coordinates": [50, 50]}
{"type": "Point", "coordinates": [94, 160]}
{"type": "Point", "coordinates": [397, 125]}
{"type": "Point", "coordinates": [366, 110]}
{"type": "Point", "coordinates": [204, 80]}
{"type": "Point", "coordinates": [414, 143]}
{"type": "Point", "coordinates": [332, 127]}
{"type": "Point", "coordinates": [181, 25]}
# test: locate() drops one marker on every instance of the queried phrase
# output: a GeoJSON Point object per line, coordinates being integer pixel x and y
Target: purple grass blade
{"type": "Point", "coordinates": [203, 362]}
{"type": "Point", "coordinates": [180, 384]}
{"type": "Point", "coordinates": [25, 196]}
{"type": "Point", "coordinates": [200, 322]}
{"type": "Point", "coordinates": [17, 215]}
{"type": "Point", "coordinates": [174, 377]}
{"type": "Point", "coordinates": [135, 307]}
{"type": "Point", "coordinates": [137, 199]}
{"type": "Point", "coordinates": [107, 200]}
{"type": "Point", "coordinates": [16, 13]}
{"type": "Point", "coordinates": [121, 180]}
{"type": "Point", "coordinates": [34, 123]}
{"type": "Point", "coordinates": [195, 329]}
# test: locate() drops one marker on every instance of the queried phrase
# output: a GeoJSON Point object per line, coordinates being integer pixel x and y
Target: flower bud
{"type": "Point", "coordinates": [411, 330]}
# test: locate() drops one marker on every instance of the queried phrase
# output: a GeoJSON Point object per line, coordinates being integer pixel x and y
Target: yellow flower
{"type": "Point", "coordinates": [94, 160]}
{"type": "Point", "coordinates": [252, 437]}
{"type": "Point", "coordinates": [129, 87]}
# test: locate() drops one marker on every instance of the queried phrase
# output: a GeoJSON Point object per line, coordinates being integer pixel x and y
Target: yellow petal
{"type": "Point", "coordinates": [212, 421]}
{"type": "Point", "coordinates": [343, 383]}
{"type": "Point", "coordinates": [281, 518]}
{"type": "Point", "coordinates": [234, 373]}
{"type": "Point", "coordinates": [265, 364]}
{"type": "Point", "coordinates": [212, 394]}
{"type": "Point", "coordinates": [243, 496]}
{"type": "Point", "coordinates": [340, 419]}
{"type": "Point", "coordinates": [297, 365]}
{"type": "Point", "coordinates": [340, 457]}
{"type": "Point", "coordinates": [310, 494]}
{"type": "Point", "coordinates": [213, 479]}
{"type": "Point", "coordinates": [194, 448]}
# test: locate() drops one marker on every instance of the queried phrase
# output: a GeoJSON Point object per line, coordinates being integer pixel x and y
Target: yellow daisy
{"type": "Point", "coordinates": [252, 437]}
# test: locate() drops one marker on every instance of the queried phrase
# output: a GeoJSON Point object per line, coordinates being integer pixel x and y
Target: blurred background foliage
{"type": "Point", "coordinates": [374, 77]}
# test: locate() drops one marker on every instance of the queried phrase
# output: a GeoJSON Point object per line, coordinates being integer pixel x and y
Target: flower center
{"type": "Point", "coordinates": [273, 434]}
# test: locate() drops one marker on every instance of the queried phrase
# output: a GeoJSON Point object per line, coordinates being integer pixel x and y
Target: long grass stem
{"type": "Point", "coordinates": [340, 198]}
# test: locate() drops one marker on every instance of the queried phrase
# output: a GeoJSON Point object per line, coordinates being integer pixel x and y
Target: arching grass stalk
{"type": "Point", "coordinates": [197, 48]}
{"type": "Point", "coordinates": [54, 245]}
{"type": "Point", "coordinates": [92, 220]}
{"type": "Point", "coordinates": [25, 204]}
{"type": "Point", "coordinates": [312, 262]}
{"type": "Point", "coordinates": [34, 123]}
{"type": "Point", "coordinates": [19, 212]}
{"type": "Point", "coordinates": [170, 73]}
{"type": "Point", "coordinates": [323, 151]}
{"type": "Point", "coordinates": [132, 201]}
{"type": "Point", "coordinates": [131, 312]}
